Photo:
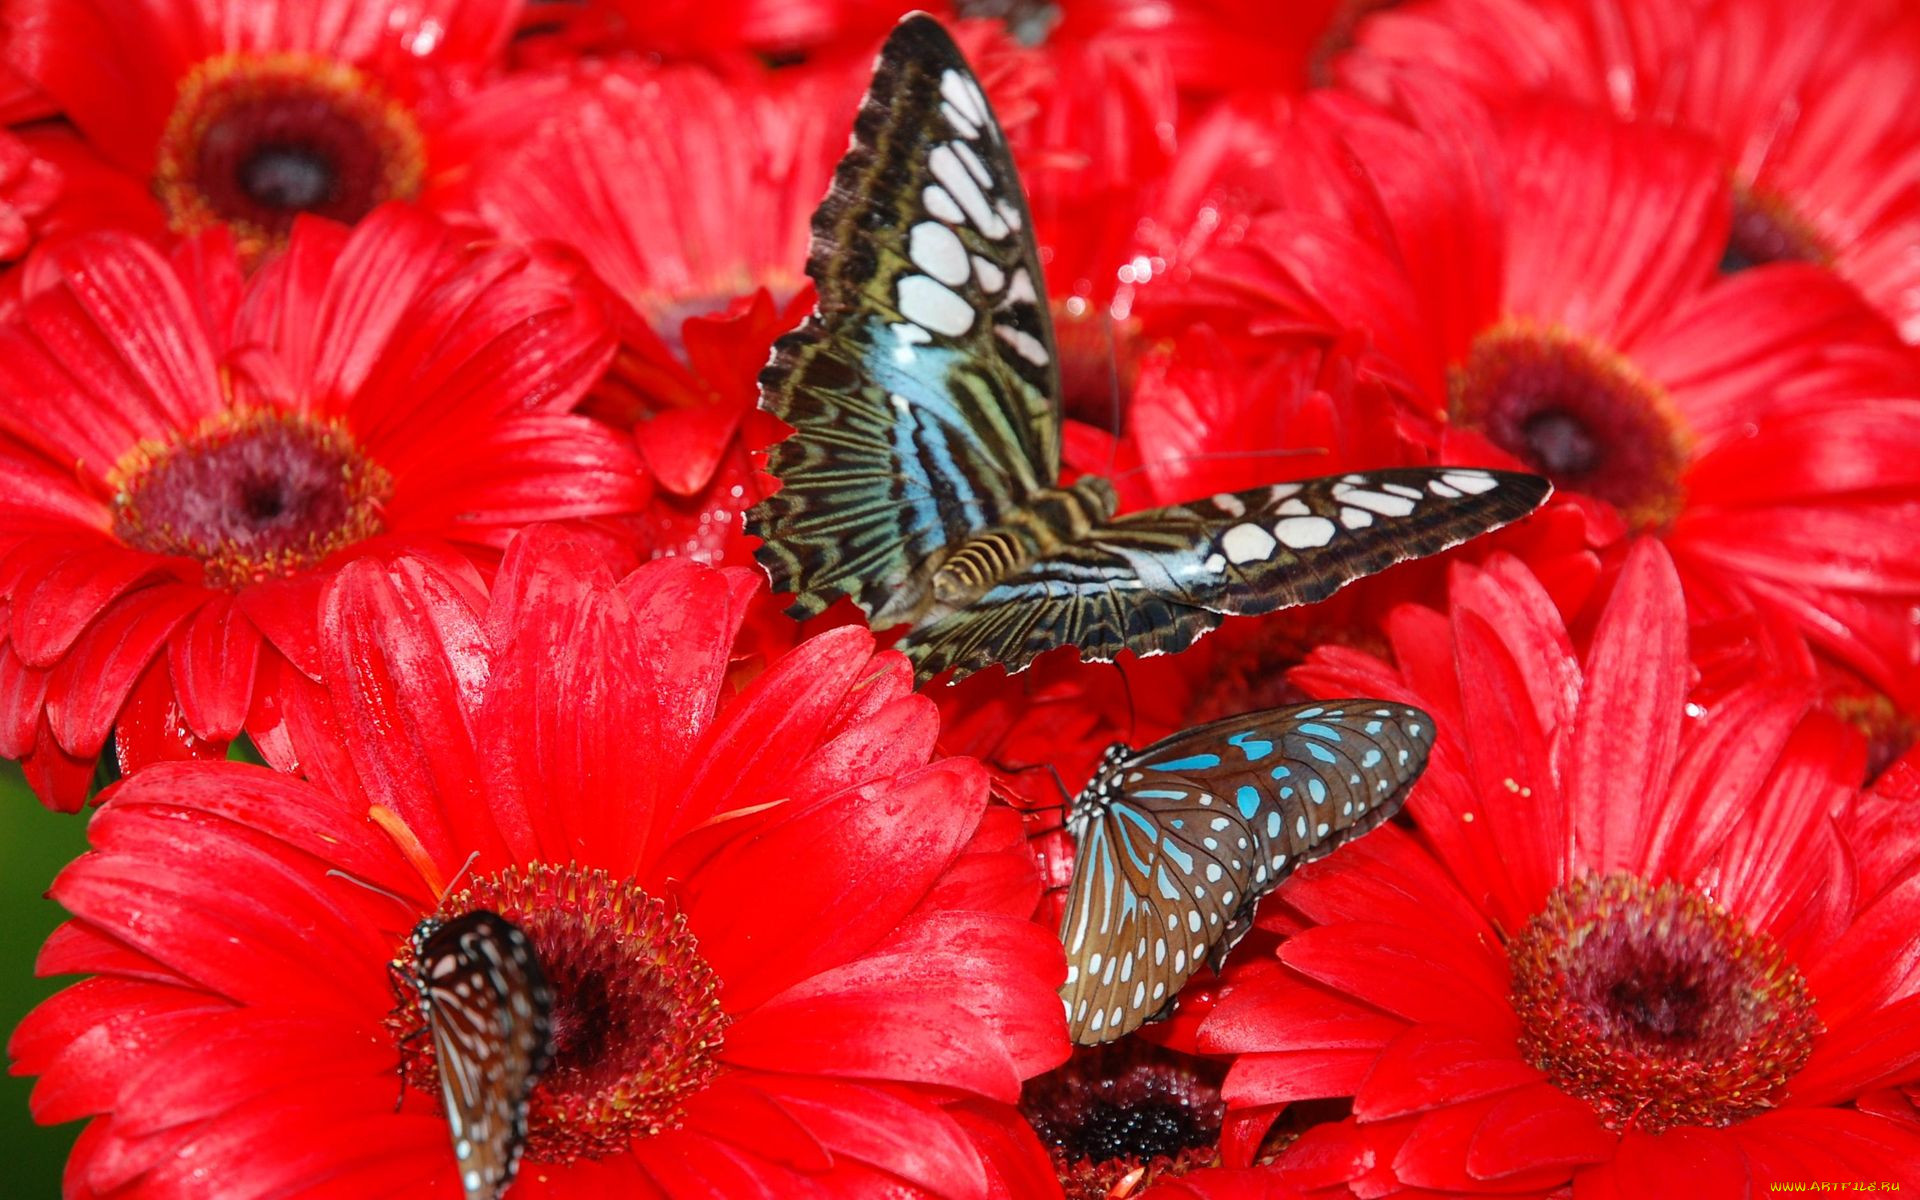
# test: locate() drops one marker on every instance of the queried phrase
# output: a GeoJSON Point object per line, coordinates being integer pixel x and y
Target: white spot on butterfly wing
{"type": "Point", "coordinates": [1355, 518]}
{"type": "Point", "coordinates": [1380, 502]}
{"type": "Point", "coordinates": [906, 335]}
{"type": "Point", "coordinates": [947, 167]}
{"type": "Point", "coordinates": [1471, 482]}
{"type": "Point", "coordinates": [933, 305]}
{"type": "Point", "coordinates": [1024, 344]}
{"type": "Point", "coordinates": [1230, 504]}
{"type": "Point", "coordinates": [940, 202]}
{"type": "Point", "coordinates": [961, 125]}
{"type": "Point", "coordinates": [1246, 543]}
{"type": "Point", "coordinates": [1304, 533]}
{"type": "Point", "coordinates": [1021, 289]}
{"type": "Point", "coordinates": [956, 89]}
{"type": "Point", "coordinates": [991, 277]}
{"type": "Point", "coordinates": [975, 167]}
{"type": "Point", "coordinates": [937, 250]}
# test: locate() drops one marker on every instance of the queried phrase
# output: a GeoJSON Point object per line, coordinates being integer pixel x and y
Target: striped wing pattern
{"type": "Point", "coordinates": [488, 1009]}
{"type": "Point", "coordinates": [921, 389]}
{"type": "Point", "coordinates": [1176, 844]}
{"type": "Point", "coordinates": [1154, 581]}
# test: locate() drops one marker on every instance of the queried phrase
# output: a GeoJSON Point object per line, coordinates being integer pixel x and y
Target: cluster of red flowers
{"type": "Point", "coordinates": [378, 403]}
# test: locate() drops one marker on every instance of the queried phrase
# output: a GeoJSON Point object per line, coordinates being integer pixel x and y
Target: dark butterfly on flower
{"type": "Point", "coordinates": [488, 1009]}
{"type": "Point", "coordinates": [923, 476]}
{"type": "Point", "coordinates": [1177, 843]}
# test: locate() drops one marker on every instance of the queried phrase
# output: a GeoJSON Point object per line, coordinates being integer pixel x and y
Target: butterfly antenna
{"type": "Point", "coordinates": [1113, 390]}
{"type": "Point", "coordinates": [1216, 455]}
{"type": "Point", "coordinates": [458, 875]}
{"type": "Point", "coordinates": [1133, 715]}
{"type": "Point", "coordinates": [1066, 797]}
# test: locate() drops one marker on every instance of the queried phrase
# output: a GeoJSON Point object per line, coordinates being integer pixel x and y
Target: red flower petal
{"type": "Point", "coordinates": [1408, 972]}
{"type": "Point", "coordinates": [213, 659]}
{"type": "Point", "coordinates": [1429, 1065]}
{"type": "Point", "coordinates": [108, 352]}
{"type": "Point", "coordinates": [889, 1015]}
{"type": "Point", "coordinates": [1637, 680]}
{"type": "Point", "coordinates": [85, 691]}
{"type": "Point", "coordinates": [1537, 1126]}
{"type": "Point", "coordinates": [407, 660]}
{"type": "Point", "coordinates": [50, 615]}
{"type": "Point", "coordinates": [765, 924]}
{"type": "Point", "coordinates": [892, 1129]}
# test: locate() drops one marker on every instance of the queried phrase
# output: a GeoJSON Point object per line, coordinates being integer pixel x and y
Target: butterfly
{"type": "Point", "coordinates": [923, 476]}
{"type": "Point", "coordinates": [1176, 844]}
{"type": "Point", "coordinates": [488, 1008]}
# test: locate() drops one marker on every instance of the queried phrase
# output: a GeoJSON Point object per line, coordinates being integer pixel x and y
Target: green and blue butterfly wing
{"type": "Point", "coordinates": [1154, 581]}
{"type": "Point", "coordinates": [922, 389]}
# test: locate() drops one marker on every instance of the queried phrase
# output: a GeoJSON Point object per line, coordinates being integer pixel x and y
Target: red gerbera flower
{"type": "Point", "coordinates": [244, 114]}
{"type": "Point", "coordinates": [188, 456]}
{"type": "Point", "coordinates": [690, 196]}
{"type": "Point", "coordinates": [790, 955]}
{"type": "Point", "coordinates": [1814, 107]}
{"type": "Point", "coordinates": [1546, 284]}
{"type": "Point", "coordinates": [1625, 949]}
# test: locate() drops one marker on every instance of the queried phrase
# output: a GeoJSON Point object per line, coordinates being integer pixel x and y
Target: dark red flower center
{"type": "Point", "coordinates": [252, 496]}
{"type": "Point", "coordinates": [1578, 414]}
{"type": "Point", "coordinates": [1766, 230]}
{"type": "Point", "coordinates": [1657, 1006]}
{"type": "Point", "coordinates": [255, 140]}
{"type": "Point", "coordinates": [1098, 363]}
{"type": "Point", "coordinates": [636, 1016]}
{"type": "Point", "coordinates": [1118, 1117]}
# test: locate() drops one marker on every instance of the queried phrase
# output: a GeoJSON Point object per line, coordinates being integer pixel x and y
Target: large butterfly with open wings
{"type": "Point", "coordinates": [1176, 844]}
{"type": "Point", "coordinates": [488, 1008]}
{"type": "Point", "coordinates": [923, 475]}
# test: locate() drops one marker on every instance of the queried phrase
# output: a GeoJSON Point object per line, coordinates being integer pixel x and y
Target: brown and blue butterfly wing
{"type": "Point", "coordinates": [1154, 581]}
{"type": "Point", "coordinates": [1175, 845]}
{"type": "Point", "coordinates": [922, 389]}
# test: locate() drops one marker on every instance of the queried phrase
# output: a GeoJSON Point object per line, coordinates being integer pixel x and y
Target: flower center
{"type": "Point", "coordinates": [1578, 414]}
{"type": "Point", "coordinates": [1099, 361]}
{"type": "Point", "coordinates": [256, 140]}
{"type": "Point", "coordinates": [251, 495]}
{"type": "Point", "coordinates": [636, 1013]}
{"type": "Point", "coordinates": [1657, 1006]}
{"type": "Point", "coordinates": [1119, 1117]}
{"type": "Point", "coordinates": [1766, 230]}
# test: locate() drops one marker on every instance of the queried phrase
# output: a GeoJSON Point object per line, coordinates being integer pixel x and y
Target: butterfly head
{"type": "Point", "coordinates": [1106, 782]}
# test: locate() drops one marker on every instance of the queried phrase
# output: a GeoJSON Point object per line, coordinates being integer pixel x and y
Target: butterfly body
{"type": "Point", "coordinates": [488, 1009]}
{"type": "Point", "coordinates": [923, 476]}
{"type": "Point", "coordinates": [1176, 844]}
{"type": "Point", "coordinates": [1052, 520]}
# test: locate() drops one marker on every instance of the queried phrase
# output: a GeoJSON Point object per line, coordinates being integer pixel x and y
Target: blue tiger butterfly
{"type": "Point", "coordinates": [1176, 844]}
{"type": "Point", "coordinates": [488, 1009]}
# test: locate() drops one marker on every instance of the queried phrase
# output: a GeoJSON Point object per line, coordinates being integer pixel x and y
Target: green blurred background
{"type": "Point", "coordinates": [34, 845]}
